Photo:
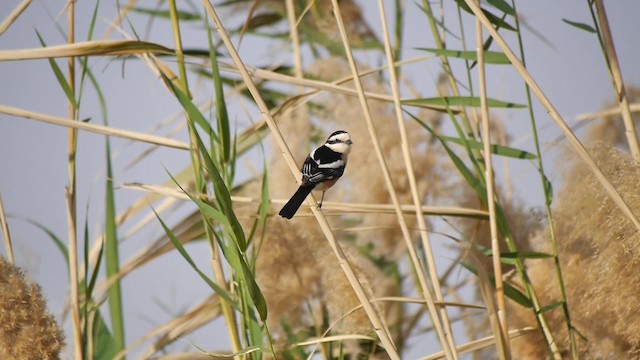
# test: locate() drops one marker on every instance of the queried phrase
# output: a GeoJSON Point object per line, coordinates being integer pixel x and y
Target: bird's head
{"type": "Point", "coordinates": [340, 141]}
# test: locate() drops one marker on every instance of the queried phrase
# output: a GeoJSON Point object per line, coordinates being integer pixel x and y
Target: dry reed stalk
{"type": "Point", "coordinates": [481, 343]}
{"type": "Point", "coordinates": [555, 115]}
{"type": "Point", "coordinates": [300, 113]}
{"type": "Point", "coordinates": [295, 39]}
{"type": "Point", "coordinates": [327, 339]}
{"type": "Point", "coordinates": [502, 341]}
{"type": "Point", "coordinates": [88, 48]}
{"type": "Point", "coordinates": [380, 330]}
{"type": "Point", "coordinates": [5, 233]}
{"type": "Point", "coordinates": [406, 154]}
{"type": "Point", "coordinates": [616, 79]}
{"type": "Point", "coordinates": [13, 16]}
{"type": "Point", "coordinates": [330, 205]}
{"type": "Point", "coordinates": [147, 219]}
{"type": "Point", "coordinates": [333, 86]}
{"type": "Point", "coordinates": [634, 107]}
{"type": "Point", "coordinates": [124, 10]}
{"type": "Point", "coordinates": [71, 197]}
{"type": "Point", "coordinates": [426, 292]}
{"type": "Point", "coordinates": [98, 129]}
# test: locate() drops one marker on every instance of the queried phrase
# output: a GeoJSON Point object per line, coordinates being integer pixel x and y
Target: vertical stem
{"type": "Point", "coordinates": [295, 38]}
{"type": "Point", "coordinates": [616, 79]}
{"type": "Point", "coordinates": [71, 196]}
{"type": "Point", "coordinates": [503, 337]}
{"type": "Point", "coordinates": [300, 132]}
{"type": "Point", "coordinates": [175, 25]}
{"type": "Point", "coordinates": [6, 234]}
{"type": "Point", "coordinates": [406, 153]}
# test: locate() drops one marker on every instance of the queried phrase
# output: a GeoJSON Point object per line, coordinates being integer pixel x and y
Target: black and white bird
{"type": "Point", "coordinates": [320, 171]}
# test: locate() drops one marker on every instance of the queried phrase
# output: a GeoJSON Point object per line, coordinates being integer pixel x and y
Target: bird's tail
{"type": "Point", "coordinates": [294, 203]}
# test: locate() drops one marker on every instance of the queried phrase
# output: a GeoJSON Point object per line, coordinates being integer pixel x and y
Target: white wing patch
{"type": "Point", "coordinates": [333, 165]}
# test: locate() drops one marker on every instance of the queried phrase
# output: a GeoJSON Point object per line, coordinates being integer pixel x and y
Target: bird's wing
{"type": "Point", "coordinates": [315, 171]}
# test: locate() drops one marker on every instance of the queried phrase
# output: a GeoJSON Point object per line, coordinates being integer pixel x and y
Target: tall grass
{"type": "Point", "coordinates": [365, 275]}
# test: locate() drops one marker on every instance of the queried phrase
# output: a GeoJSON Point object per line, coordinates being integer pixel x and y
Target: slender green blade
{"type": "Point", "coordinates": [255, 292]}
{"type": "Point", "coordinates": [469, 177]}
{"type": "Point", "coordinates": [178, 245]}
{"type": "Point", "coordinates": [510, 291]}
{"type": "Point", "coordinates": [190, 108]}
{"type": "Point", "coordinates": [56, 240]}
{"type": "Point", "coordinates": [104, 343]}
{"type": "Point", "coordinates": [548, 190]}
{"type": "Point", "coordinates": [221, 108]}
{"type": "Point", "coordinates": [517, 295]}
{"type": "Point", "coordinates": [495, 20]}
{"type": "Point", "coordinates": [503, 6]}
{"type": "Point", "coordinates": [550, 307]}
{"type": "Point", "coordinates": [96, 272]}
{"type": "Point", "coordinates": [581, 26]}
{"type": "Point", "coordinates": [165, 14]}
{"type": "Point", "coordinates": [495, 148]}
{"type": "Point", "coordinates": [112, 259]}
{"type": "Point", "coordinates": [490, 57]}
{"type": "Point", "coordinates": [62, 81]}
{"type": "Point", "coordinates": [510, 258]}
{"type": "Point", "coordinates": [471, 101]}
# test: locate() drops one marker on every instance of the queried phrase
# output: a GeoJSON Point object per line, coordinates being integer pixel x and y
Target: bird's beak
{"type": "Point", "coordinates": [349, 142]}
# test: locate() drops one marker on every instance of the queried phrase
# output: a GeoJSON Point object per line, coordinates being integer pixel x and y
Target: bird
{"type": "Point", "coordinates": [321, 170]}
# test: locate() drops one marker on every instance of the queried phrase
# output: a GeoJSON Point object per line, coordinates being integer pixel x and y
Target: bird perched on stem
{"type": "Point", "coordinates": [320, 171]}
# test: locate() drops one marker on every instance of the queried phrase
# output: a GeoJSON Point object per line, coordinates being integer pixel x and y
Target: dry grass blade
{"type": "Point", "coordinates": [555, 115]}
{"type": "Point", "coordinates": [328, 205]}
{"type": "Point", "coordinates": [74, 273]}
{"type": "Point", "coordinates": [333, 86]}
{"type": "Point", "coordinates": [421, 301]}
{"type": "Point", "coordinates": [380, 330]}
{"type": "Point", "coordinates": [192, 356]}
{"type": "Point", "coordinates": [124, 10]}
{"type": "Point", "coordinates": [616, 78]}
{"type": "Point", "coordinates": [502, 341]}
{"type": "Point", "coordinates": [480, 343]}
{"type": "Point", "coordinates": [6, 234]}
{"type": "Point", "coordinates": [635, 107]}
{"type": "Point", "coordinates": [98, 129]}
{"type": "Point", "coordinates": [13, 16]}
{"type": "Point", "coordinates": [89, 48]}
{"type": "Point", "coordinates": [334, 338]}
